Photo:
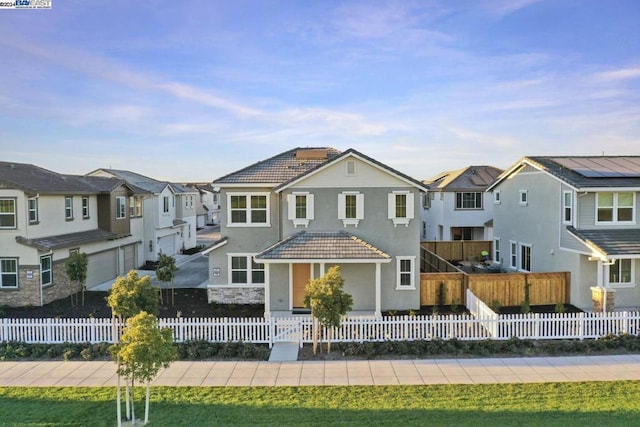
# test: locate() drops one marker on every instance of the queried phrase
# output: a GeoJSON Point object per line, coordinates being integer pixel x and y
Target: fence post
{"type": "Point", "coordinates": [581, 328]}
{"type": "Point", "coordinates": [272, 328]}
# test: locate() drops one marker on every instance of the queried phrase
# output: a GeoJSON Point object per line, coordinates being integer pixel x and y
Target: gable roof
{"type": "Point", "coordinates": [352, 153]}
{"type": "Point", "coordinates": [144, 183]}
{"type": "Point", "coordinates": [471, 178]}
{"type": "Point", "coordinates": [34, 179]}
{"type": "Point", "coordinates": [584, 172]}
{"type": "Point", "coordinates": [338, 245]}
{"type": "Point", "coordinates": [610, 242]}
{"type": "Point", "coordinates": [281, 167]}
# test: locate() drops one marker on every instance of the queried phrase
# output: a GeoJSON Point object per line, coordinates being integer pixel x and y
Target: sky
{"type": "Point", "coordinates": [190, 91]}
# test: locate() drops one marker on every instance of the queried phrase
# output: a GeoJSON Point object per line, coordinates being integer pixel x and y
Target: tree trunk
{"type": "Point", "coordinates": [329, 334]}
{"type": "Point", "coordinates": [314, 333]}
{"type": "Point", "coordinates": [146, 404]}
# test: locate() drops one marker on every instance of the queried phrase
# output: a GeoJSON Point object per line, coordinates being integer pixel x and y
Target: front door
{"type": "Point", "coordinates": [301, 275]}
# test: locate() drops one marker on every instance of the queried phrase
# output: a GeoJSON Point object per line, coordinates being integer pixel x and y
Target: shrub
{"type": "Point", "coordinates": [560, 308]}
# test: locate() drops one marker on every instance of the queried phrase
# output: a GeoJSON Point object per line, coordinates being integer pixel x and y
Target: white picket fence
{"type": "Point", "coordinates": [479, 325]}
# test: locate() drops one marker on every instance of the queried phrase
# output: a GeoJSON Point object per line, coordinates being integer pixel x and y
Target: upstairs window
{"type": "Point", "coordinates": [621, 272]}
{"type": "Point", "coordinates": [426, 201]}
{"type": "Point", "coordinates": [567, 207]}
{"type": "Point", "coordinates": [85, 207]}
{"type": "Point", "coordinates": [615, 207]}
{"type": "Point", "coordinates": [300, 208]}
{"type": "Point", "coordinates": [350, 207]}
{"type": "Point", "coordinates": [469, 200]}
{"type": "Point", "coordinates": [33, 210]}
{"type": "Point", "coordinates": [7, 213]}
{"type": "Point", "coordinates": [165, 204]}
{"type": "Point", "coordinates": [68, 208]}
{"type": "Point", "coordinates": [523, 198]}
{"type": "Point", "coordinates": [496, 197]}
{"type": "Point", "coordinates": [248, 209]}
{"type": "Point", "coordinates": [400, 207]}
{"type": "Point", "coordinates": [135, 207]}
{"type": "Point", "coordinates": [121, 208]}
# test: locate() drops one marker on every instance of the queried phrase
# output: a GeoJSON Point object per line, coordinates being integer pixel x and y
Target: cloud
{"type": "Point", "coordinates": [617, 75]}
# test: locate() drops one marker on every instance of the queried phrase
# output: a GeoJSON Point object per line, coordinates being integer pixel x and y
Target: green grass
{"type": "Point", "coordinates": [562, 404]}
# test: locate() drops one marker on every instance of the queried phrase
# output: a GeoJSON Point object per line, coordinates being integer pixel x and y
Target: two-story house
{"type": "Point", "coordinates": [169, 224]}
{"type": "Point", "coordinates": [457, 207]}
{"type": "Point", "coordinates": [576, 214]}
{"type": "Point", "coordinates": [208, 208]}
{"type": "Point", "coordinates": [287, 219]}
{"type": "Point", "coordinates": [46, 216]}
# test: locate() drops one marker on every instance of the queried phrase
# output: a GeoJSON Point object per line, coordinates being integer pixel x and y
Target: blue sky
{"type": "Point", "coordinates": [190, 91]}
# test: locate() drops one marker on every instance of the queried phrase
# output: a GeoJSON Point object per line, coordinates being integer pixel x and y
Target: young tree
{"type": "Point", "coordinates": [166, 272]}
{"type": "Point", "coordinates": [129, 296]}
{"type": "Point", "coordinates": [328, 302]}
{"type": "Point", "coordinates": [143, 350]}
{"type": "Point", "coordinates": [76, 268]}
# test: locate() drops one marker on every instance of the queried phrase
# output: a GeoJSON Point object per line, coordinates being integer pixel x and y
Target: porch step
{"type": "Point", "coordinates": [284, 352]}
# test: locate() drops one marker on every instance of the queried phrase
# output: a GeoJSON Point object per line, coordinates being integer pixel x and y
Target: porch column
{"type": "Point", "coordinates": [378, 312]}
{"type": "Point", "coordinates": [267, 292]}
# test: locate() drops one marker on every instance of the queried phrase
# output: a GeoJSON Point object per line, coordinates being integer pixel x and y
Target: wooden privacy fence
{"type": "Point", "coordinates": [479, 326]}
{"type": "Point", "coordinates": [459, 250]}
{"type": "Point", "coordinates": [507, 289]}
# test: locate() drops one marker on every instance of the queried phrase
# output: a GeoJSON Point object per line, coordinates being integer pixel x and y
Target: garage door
{"type": "Point", "coordinates": [167, 245]}
{"type": "Point", "coordinates": [129, 258]}
{"type": "Point", "coordinates": [102, 267]}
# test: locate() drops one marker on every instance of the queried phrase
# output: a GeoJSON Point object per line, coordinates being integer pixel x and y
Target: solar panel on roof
{"type": "Point", "coordinates": [602, 167]}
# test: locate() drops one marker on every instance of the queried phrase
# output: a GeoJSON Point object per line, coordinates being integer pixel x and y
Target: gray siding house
{"type": "Point", "coordinates": [576, 214]}
{"type": "Point", "coordinates": [287, 219]}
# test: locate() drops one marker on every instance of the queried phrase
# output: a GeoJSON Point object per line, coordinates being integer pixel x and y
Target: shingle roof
{"type": "Point", "coordinates": [471, 178]}
{"type": "Point", "coordinates": [592, 171]}
{"type": "Point", "coordinates": [35, 179]}
{"type": "Point", "coordinates": [147, 184]}
{"type": "Point", "coordinates": [611, 242]}
{"type": "Point", "coordinates": [67, 240]}
{"type": "Point", "coordinates": [278, 169]}
{"type": "Point", "coordinates": [322, 246]}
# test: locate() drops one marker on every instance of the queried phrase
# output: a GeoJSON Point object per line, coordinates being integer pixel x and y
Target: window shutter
{"type": "Point", "coordinates": [291, 206]}
{"type": "Point", "coordinates": [359, 206]}
{"type": "Point", "coordinates": [410, 205]}
{"type": "Point", "coordinates": [310, 206]}
{"type": "Point", "coordinates": [391, 208]}
{"type": "Point", "coordinates": [341, 206]}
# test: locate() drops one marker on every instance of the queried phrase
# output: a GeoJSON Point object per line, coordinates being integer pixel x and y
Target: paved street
{"type": "Point", "coordinates": [301, 373]}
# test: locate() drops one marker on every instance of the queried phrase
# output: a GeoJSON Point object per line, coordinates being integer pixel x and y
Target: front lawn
{"type": "Point", "coordinates": [562, 404]}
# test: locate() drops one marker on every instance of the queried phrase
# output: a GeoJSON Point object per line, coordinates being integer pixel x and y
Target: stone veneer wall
{"type": "Point", "coordinates": [229, 295]}
{"type": "Point", "coordinates": [28, 291]}
{"type": "Point", "coordinates": [597, 299]}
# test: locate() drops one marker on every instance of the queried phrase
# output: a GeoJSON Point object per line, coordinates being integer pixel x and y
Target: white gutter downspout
{"type": "Point", "coordinates": [378, 312]}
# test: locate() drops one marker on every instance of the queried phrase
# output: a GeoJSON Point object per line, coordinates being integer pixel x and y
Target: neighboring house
{"type": "Point", "coordinates": [457, 207]}
{"type": "Point", "coordinates": [577, 214]}
{"type": "Point", "coordinates": [169, 224]}
{"type": "Point", "coordinates": [287, 219]}
{"type": "Point", "coordinates": [46, 216]}
{"type": "Point", "coordinates": [208, 207]}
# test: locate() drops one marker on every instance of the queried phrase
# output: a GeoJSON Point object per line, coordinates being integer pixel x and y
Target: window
{"type": "Point", "coordinates": [350, 207]}
{"type": "Point", "coordinates": [496, 197]}
{"type": "Point", "coordinates": [468, 200]}
{"type": "Point", "coordinates": [426, 201]}
{"type": "Point", "coordinates": [496, 250]}
{"type": "Point", "coordinates": [121, 208]}
{"type": "Point", "coordinates": [300, 206]}
{"type": "Point", "coordinates": [33, 210]}
{"type": "Point", "coordinates": [424, 229]}
{"type": "Point", "coordinates": [406, 268]}
{"type": "Point", "coordinates": [165, 204]}
{"type": "Point", "coordinates": [524, 198]}
{"type": "Point", "coordinates": [244, 270]}
{"type": "Point", "coordinates": [461, 233]}
{"type": "Point", "coordinates": [8, 273]}
{"type": "Point", "coordinates": [400, 207]}
{"type": "Point", "coordinates": [513, 255]}
{"type": "Point", "coordinates": [85, 207]}
{"type": "Point", "coordinates": [567, 207]}
{"type": "Point", "coordinates": [351, 168]}
{"type": "Point", "coordinates": [525, 257]}
{"type": "Point", "coordinates": [621, 272]}
{"type": "Point", "coordinates": [615, 207]}
{"type": "Point", "coordinates": [68, 208]}
{"type": "Point", "coordinates": [248, 209]}
{"type": "Point", "coordinates": [7, 213]}
{"type": "Point", "coordinates": [45, 271]}
{"type": "Point", "coordinates": [135, 207]}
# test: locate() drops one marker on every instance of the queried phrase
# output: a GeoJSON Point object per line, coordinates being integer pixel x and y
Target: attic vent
{"type": "Point", "coordinates": [312, 153]}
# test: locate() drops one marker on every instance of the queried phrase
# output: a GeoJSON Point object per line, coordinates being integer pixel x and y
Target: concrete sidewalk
{"type": "Point", "coordinates": [364, 372]}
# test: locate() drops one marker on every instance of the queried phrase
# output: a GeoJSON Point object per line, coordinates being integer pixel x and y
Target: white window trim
{"type": "Point", "coordinates": [35, 210]}
{"type": "Point", "coordinates": [622, 285]}
{"type": "Point", "coordinates": [249, 270]}
{"type": "Point", "coordinates": [399, 287]}
{"type": "Point", "coordinates": [496, 197]}
{"type": "Point", "coordinates": [42, 284]}
{"type": "Point", "coordinates": [248, 210]}
{"type": "Point", "coordinates": [426, 200]}
{"type": "Point", "coordinates": [291, 203]}
{"type": "Point", "coordinates": [475, 194]}
{"type": "Point", "coordinates": [68, 210]}
{"type": "Point", "coordinates": [497, 250]}
{"type": "Point", "coordinates": [565, 207]}
{"type": "Point", "coordinates": [85, 208]}
{"type": "Point", "coordinates": [165, 205]}
{"type": "Point", "coordinates": [121, 207]}
{"type": "Point", "coordinates": [521, 259]}
{"type": "Point", "coordinates": [17, 273]}
{"type": "Point", "coordinates": [14, 214]}
{"type": "Point", "coordinates": [524, 193]}
{"type": "Point", "coordinates": [342, 197]}
{"type": "Point", "coordinates": [513, 255]}
{"type": "Point", "coordinates": [350, 168]}
{"type": "Point", "coordinates": [615, 208]}
{"type": "Point", "coordinates": [392, 201]}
